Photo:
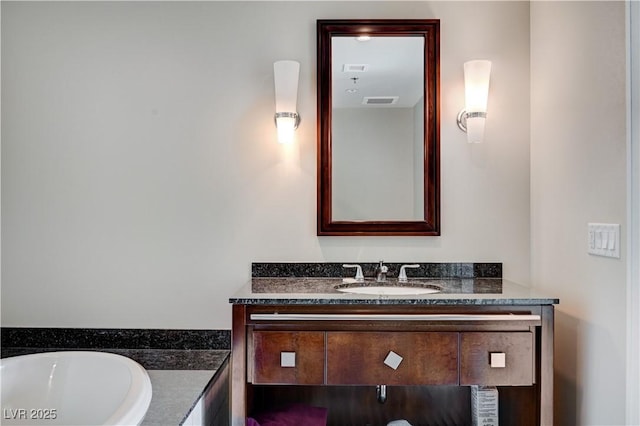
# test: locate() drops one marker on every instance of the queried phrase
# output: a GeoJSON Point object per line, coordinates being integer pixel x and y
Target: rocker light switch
{"type": "Point", "coordinates": [393, 360]}
{"type": "Point", "coordinates": [498, 360]}
{"type": "Point", "coordinates": [604, 239]}
{"type": "Point", "coordinates": [287, 359]}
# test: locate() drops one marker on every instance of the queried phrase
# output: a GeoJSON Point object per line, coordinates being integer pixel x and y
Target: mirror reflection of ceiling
{"type": "Point", "coordinates": [380, 72]}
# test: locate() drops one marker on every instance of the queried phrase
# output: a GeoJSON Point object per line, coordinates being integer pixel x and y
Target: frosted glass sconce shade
{"type": "Point", "coordinates": [476, 93]}
{"type": "Point", "coordinates": [285, 75]}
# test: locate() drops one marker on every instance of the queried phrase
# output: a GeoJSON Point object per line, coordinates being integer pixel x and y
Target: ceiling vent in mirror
{"type": "Point", "coordinates": [380, 100]}
{"type": "Point", "coordinates": [355, 68]}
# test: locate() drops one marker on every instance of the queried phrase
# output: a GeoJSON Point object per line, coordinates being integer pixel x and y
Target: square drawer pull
{"type": "Point", "coordinates": [498, 359]}
{"type": "Point", "coordinates": [287, 359]}
{"type": "Point", "coordinates": [393, 360]}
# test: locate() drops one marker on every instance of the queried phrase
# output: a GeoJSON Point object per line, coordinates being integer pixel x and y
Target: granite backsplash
{"type": "Point", "coordinates": [336, 270]}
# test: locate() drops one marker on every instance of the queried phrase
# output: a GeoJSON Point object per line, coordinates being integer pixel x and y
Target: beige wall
{"type": "Point", "coordinates": [578, 175]}
{"type": "Point", "coordinates": [141, 174]}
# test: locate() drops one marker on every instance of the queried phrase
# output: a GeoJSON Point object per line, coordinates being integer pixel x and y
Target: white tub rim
{"type": "Point", "coordinates": [138, 397]}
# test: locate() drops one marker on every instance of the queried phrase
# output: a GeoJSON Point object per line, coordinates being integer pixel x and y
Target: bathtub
{"type": "Point", "coordinates": [73, 388]}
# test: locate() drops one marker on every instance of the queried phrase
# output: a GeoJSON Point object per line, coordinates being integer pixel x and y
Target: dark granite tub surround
{"type": "Point", "coordinates": [128, 338]}
{"type": "Point", "coordinates": [183, 365]}
{"type": "Point", "coordinates": [320, 283]}
{"type": "Point", "coordinates": [150, 359]}
{"type": "Point", "coordinates": [154, 349]}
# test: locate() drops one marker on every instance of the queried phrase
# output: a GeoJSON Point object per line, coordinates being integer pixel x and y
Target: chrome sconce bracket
{"type": "Point", "coordinates": [293, 115]}
{"type": "Point", "coordinates": [463, 115]}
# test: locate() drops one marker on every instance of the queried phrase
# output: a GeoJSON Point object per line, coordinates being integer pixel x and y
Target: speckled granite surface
{"type": "Point", "coordinates": [321, 291]}
{"type": "Point", "coordinates": [174, 388]}
{"type": "Point", "coordinates": [336, 270]}
{"type": "Point", "coordinates": [333, 285]}
{"type": "Point", "coordinates": [319, 283]}
{"type": "Point", "coordinates": [175, 393]}
{"type": "Point", "coordinates": [87, 338]}
{"type": "Point", "coordinates": [150, 359]}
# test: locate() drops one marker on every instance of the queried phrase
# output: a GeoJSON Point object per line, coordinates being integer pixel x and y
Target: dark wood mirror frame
{"type": "Point", "coordinates": [430, 30]}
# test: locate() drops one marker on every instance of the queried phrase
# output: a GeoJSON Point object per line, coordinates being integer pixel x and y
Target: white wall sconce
{"type": "Point", "coordinates": [286, 74]}
{"type": "Point", "coordinates": [476, 92]}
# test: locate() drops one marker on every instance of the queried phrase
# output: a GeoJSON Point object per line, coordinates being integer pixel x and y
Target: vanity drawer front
{"type": "Point", "coordinates": [419, 358]}
{"type": "Point", "coordinates": [288, 357]}
{"type": "Point", "coordinates": [496, 358]}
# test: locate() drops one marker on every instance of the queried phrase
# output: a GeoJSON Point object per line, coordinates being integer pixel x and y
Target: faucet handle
{"type": "Point", "coordinates": [402, 276]}
{"type": "Point", "coordinates": [359, 274]}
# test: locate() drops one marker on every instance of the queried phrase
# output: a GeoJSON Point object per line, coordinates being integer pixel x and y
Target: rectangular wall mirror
{"type": "Point", "coordinates": [378, 127]}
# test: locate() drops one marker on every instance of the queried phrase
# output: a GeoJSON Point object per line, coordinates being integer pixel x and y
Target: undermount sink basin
{"type": "Point", "coordinates": [388, 289]}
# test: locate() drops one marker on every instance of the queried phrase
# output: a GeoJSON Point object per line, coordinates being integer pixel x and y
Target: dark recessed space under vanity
{"type": "Point", "coordinates": [369, 359]}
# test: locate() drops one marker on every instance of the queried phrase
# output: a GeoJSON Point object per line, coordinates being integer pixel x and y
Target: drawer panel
{"type": "Point", "coordinates": [288, 357]}
{"type": "Point", "coordinates": [511, 354]}
{"type": "Point", "coordinates": [421, 358]}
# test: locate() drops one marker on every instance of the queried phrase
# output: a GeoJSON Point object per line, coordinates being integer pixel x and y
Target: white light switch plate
{"type": "Point", "coordinates": [603, 239]}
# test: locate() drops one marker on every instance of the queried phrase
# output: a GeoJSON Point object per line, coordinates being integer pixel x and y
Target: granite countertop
{"type": "Point", "coordinates": [323, 290]}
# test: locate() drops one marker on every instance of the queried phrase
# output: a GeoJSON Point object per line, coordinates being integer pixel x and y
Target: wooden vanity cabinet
{"type": "Point", "coordinates": [358, 358]}
{"type": "Point", "coordinates": [496, 359]}
{"type": "Point", "coordinates": [427, 364]}
{"type": "Point", "coordinates": [287, 357]}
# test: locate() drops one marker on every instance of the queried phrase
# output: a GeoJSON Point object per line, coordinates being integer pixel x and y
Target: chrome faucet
{"type": "Point", "coordinates": [359, 275]}
{"type": "Point", "coordinates": [402, 276]}
{"type": "Point", "coordinates": [381, 272]}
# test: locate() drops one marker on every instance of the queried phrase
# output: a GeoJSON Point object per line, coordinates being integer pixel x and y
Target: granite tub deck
{"type": "Point", "coordinates": [180, 376]}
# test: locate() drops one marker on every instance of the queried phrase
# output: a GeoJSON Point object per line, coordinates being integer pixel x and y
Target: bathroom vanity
{"type": "Point", "coordinates": [373, 358]}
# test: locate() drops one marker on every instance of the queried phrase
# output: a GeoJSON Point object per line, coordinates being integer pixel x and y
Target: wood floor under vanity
{"type": "Point", "coordinates": [339, 362]}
